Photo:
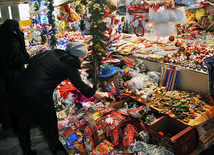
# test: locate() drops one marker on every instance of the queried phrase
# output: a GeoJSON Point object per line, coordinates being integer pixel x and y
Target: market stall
{"type": "Point", "coordinates": [155, 75]}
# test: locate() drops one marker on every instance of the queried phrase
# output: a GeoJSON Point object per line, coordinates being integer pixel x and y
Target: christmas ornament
{"type": "Point", "coordinates": [171, 38]}
{"type": "Point", "coordinates": [178, 44]}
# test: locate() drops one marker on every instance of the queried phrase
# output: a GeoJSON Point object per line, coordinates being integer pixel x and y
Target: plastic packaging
{"type": "Point", "coordinates": [172, 15]}
{"type": "Point", "coordinates": [165, 29]}
{"type": "Point", "coordinates": [154, 75]}
{"type": "Point", "coordinates": [180, 14]}
{"type": "Point", "coordinates": [151, 15]}
{"type": "Point", "coordinates": [161, 15]}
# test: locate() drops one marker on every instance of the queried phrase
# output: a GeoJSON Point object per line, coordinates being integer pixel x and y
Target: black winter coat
{"type": "Point", "coordinates": [13, 56]}
{"type": "Point", "coordinates": [32, 96]}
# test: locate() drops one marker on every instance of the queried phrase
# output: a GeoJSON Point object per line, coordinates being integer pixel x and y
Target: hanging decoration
{"type": "Point", "coordinates": [43, 20]}
{"type": "Point", "coordinates": [103, 23]}
{"type": "Point", "coordinates": [137, 24]}
{"type": "Point", "coordinates": [97, 9]}
{"type": "Point", "coordinates": [77, 27]}
{"type": "Point", "coordinates": [112, 33]}
{"type": "Point", "coordinates": [52, 31]}
{"type": "Point", "coordinates": [165, 16]}
{"type": "Point", "coordinates": [138, 17]}
{"type": "Point", "coordinates": [37, 6]}
{"type": "Point", "coordinates": [67, 13]}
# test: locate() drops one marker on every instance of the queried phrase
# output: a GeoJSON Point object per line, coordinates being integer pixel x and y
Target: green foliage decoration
{"type": "Point", "coordinates": [97, 9]}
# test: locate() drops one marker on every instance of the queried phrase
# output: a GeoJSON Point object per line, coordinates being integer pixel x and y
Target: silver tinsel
{"type": "Point", "coordinates": [142, 148]}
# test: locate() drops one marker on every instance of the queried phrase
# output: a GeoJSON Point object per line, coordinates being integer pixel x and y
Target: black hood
{"type": "Point", "coordinates": [68, 58]}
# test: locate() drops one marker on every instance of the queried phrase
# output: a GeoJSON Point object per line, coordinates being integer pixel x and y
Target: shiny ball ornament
{"type": "Point", "coordinates": [178, 44]}
{"type": "Point", "coordinates": [182, 48]}
{"type": "Point", "coordinates": [171, 38]}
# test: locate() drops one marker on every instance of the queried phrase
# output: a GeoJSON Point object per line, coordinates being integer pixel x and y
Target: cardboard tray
{"type": "Point", "coordinates": [177, 137]}
{"type": "Point", "coordinates": [201, 118]}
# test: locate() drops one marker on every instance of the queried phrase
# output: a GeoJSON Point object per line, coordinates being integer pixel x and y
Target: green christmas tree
{"type": "Point", "coordinates": [97, 9]}
{"type": "Point", "coordinates": [97, 29]}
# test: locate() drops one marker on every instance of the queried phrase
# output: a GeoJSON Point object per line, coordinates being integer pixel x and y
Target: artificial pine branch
{"type": "Point", "coordinates": [98, 27]}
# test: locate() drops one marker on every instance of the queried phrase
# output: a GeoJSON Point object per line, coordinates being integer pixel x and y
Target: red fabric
{"type": "Point", "coordinates": [68, 87]}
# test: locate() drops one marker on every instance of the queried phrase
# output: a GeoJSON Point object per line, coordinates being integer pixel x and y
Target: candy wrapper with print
{"type": "Point", "coordinates": [91, 119]}
{"type": "Point", "coordinates": [103, 148]}
{"type": "Point", "coordinates": [69, 135]}
{"type": "Point", "coordinates": [114, 123]}
{"type": "Point", "coordinates": [64, 93]}
{"type": "Point", "coordinates": [130, 135]}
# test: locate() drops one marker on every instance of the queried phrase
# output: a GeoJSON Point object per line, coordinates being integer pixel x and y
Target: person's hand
{"type": "Point", "coordinates": [100, 95]}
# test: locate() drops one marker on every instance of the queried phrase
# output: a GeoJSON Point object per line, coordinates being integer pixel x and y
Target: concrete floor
{"type": "Point", "coordinates": [9, 144]}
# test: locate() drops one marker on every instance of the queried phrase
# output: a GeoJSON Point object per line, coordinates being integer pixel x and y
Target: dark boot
{"type": "Point", "coordinates": [53, 139]}
{"type": "Point", "coordinates": [24, 136]}
{"type": "Point", "coordinates": [54, 151]}
{"type": "Point", "coordinates": [55, 145]}
{"type": "Point", "coordinates": [30, 152]}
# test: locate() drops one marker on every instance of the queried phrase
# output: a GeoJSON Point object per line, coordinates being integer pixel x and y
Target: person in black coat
{"type": "Point", "coordinates": [32, 95]}
{"type": "Point", "coordinates": [13, 56]}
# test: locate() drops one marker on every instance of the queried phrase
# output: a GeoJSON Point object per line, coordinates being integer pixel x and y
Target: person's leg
{"type": "Point", "coordinates": [24, 136]}
{"type": "Point", "coordinates": [5, 117]}
{"type": "Point", "coordinates": [50, 130]}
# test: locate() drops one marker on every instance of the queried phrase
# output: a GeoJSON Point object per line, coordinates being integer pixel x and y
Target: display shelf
{"type": "Point", "coordinates": [188, 80]}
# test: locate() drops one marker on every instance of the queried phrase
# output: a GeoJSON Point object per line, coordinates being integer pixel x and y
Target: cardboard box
{"type": "Point", "coordinates": [120, 104]}
{"type": "Point", "coordinates": [206, 133]}
{"type": "Point", "coordinates": [177, 137]}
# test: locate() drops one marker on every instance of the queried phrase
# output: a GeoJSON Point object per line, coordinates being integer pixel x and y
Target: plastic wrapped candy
{"type": "Point", "coordinates": [165, 29]}
{"type": "Point", "coordinates": [135, 83]}
{"type": "Point", "coordinates": [172, 15]}
{"type": "Point", "coordinates": [144, 136]}
{"type": "Point", "coordinates": [151, 15]}
{"type": "Point", "coordinates": [161, 15]}
{"type": "Point", "coordinates": [180, 14]}
{"type": "Point", "coordinates": [154, 75]}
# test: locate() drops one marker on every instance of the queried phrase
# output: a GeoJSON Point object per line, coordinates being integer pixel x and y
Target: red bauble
{"type": "Point", "coordinates": [146, 20]}
{"type": "Point", "coordinates": [171, 38]}
{"type": "Point", "coordinates": [182, 48]}
{"type": "Point", "coordinates": [178, 44]}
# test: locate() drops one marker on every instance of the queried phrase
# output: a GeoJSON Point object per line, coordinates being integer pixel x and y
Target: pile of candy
{"type": "Point", "coordinates": [183, 105]}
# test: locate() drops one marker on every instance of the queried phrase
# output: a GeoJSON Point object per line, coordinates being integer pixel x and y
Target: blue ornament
{"type": "Point", "coordinates": [194, 36]}
{"type": "Point", "coordinates": [120, 28]}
